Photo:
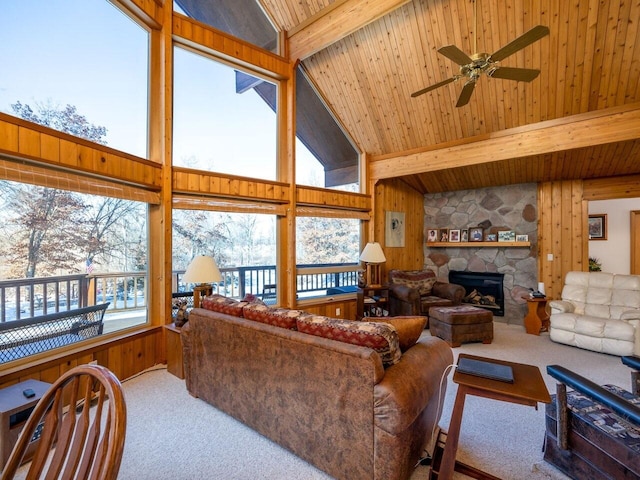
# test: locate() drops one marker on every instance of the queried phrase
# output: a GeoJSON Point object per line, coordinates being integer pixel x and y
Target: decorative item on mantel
{"type": "Point", "coordinates": [203, 271]}
{"type": "Point", "coordinates": [373, 256]}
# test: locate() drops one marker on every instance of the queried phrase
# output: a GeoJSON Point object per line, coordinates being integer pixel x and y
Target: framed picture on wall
{"type": "Point", "coordinates": [454, 235]}
{"type": "Point", "coordinates": [394, 229]}
{"type": "Point", "coordinates": [598, 226]}
{"type": "Point", "coordinates": [432, 235]}
{"type": "Point", "coordinates": [464, 235]}
{"type": "Point", "coordinates": [443, 235]}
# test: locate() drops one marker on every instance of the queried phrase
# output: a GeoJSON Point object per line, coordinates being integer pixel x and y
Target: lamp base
{"type": "Point", "coordinates": [373, 275]}
{"type": "Point", "coordinates": [200, 291]}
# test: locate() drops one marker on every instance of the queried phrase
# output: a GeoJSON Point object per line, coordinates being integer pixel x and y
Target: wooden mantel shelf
{"type": "Point", "coordinates": [478, 244]}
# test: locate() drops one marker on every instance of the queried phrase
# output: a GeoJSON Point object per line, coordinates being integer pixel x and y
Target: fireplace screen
{"type": "Point", "coordinates": [482, 289]}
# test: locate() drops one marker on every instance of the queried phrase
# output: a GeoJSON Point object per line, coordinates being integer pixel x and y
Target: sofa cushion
{"type": "Point", "coordinates": [279, 317]}
{"type": "Point", "coordinates": [422, 280]}
{"type": "Point", "coordinates": [222, 304]}
{"type": "Point", "coordinates": [409, 328]}
{"type": "Point", "coordinates": [615, 337]}
{"type": "Point", "coordinates": [381, 337]}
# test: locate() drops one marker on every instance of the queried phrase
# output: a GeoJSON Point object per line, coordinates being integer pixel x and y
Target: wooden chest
{"type": "Point", "coordinates": [601, 444]}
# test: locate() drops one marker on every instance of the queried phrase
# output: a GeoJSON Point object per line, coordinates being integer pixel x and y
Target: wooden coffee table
{"type": "Point", "coordinates": [528, 388]}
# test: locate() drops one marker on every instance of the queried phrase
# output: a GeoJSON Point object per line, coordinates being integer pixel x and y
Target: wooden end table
{"type": "Point", "coordinates": [537, 319]}
{"type": "Point", "coordinates": [174, 350]}
{"type": "Point", "coordinates": [15, 409]}
{"type": "Point", "coordinates": [528, 388]}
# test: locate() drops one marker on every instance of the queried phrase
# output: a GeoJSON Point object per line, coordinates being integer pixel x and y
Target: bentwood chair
{"type": "Point", "coordinates": [81, 421]}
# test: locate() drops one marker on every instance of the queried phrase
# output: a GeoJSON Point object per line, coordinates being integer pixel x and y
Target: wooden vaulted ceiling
{"type": "Point", "coordinates": [579, 119]}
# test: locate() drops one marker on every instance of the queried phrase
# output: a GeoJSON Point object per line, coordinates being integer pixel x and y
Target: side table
{"type": "Point", "coordinates": [174, 350]}
{"type": "Point", "coordinates": [15, 408]}
{"type": "Point", "coordinates": [372, 302]}
{"type": "Point", "coordinates": [528, 388]}
{"type": "Point", "coordinates": [537, 319]}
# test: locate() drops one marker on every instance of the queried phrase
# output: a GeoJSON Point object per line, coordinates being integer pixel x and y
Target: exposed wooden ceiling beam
{"type": "Point", "coordinates": [578, 131]}
{"type": "Point", "coordinates": [334, 22]}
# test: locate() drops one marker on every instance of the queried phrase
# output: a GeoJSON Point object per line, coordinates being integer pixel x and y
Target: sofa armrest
{"type": "Point", "coordinates": [619, 405]}
{"type": "Point", "coordinates": [413, 384]}
{"type": "Point", "coordinates": [560, 306]}
{"type": "Point", "coordinates": [630, 315]}
{"type": "Point", "coordinates": [403, 300]}
{"type": "Point", "coordinates": [451, 291]}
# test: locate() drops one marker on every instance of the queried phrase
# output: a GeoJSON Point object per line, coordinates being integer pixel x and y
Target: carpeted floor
{"type": "Point", "coordinates": [171, 435]}
{"type": "Point", "coordinates": [174, 436]}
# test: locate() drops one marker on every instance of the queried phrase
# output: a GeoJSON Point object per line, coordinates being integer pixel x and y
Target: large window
{"type": "Point", "coordinates": [62, 251]}
{"type": "Point", "coordinates": [242, 244]}
{"type": "Point", "coordinates": [325, 157]}
{"type": "Point", "coordinates": [327, 251]}
{"type": "Point", "coordinates": [221, 123]}
{"type": "Point", "coordinates": [76, 59]}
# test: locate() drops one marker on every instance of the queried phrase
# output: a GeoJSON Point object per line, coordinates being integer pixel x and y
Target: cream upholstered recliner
{"type": "Point", "coordinates": [599, 311]}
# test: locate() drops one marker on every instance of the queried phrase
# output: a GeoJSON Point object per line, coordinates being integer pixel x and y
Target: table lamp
{"type": "Point", "coordinates": [202, 271]}
{"type": "Point", "coordinates": [373, 256]}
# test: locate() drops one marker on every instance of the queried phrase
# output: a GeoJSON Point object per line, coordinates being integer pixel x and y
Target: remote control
{"type": "Point", "coordinates": [29, 393]}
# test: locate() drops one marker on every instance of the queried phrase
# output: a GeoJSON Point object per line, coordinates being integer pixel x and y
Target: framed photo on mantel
{"type": "Point", "coordinates": [475, 234]}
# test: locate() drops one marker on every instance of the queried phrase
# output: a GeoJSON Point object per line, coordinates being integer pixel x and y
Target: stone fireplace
{"type": "Point", "coordinates": [512, 207]}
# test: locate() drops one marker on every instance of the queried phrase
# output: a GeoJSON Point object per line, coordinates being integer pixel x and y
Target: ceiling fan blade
{"type": "Point", "coordinates": [465, 95]}
{"type": "Point", "coordinates": [524, 40]}
{"type": "Point", "coordinates": [454, 53]}
{"type": "Point", "coordinates": [518, 74]}
{"type": "Point", "coordinates": [433, 87]}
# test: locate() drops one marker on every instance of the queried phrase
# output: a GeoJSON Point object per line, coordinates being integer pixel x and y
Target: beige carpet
{"type": "Point", "coordinates": [171, 435]}
{"type": "Point", "coordinates": [174, 436]}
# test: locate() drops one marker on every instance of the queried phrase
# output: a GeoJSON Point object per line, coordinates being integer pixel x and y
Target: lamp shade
{"type": "Point", "coordinates": [202, 269]}
{"type": "Point", "coordinates": [372, 253]}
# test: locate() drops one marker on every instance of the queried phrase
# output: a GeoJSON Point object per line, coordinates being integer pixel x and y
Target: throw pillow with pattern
{"type": "Point", "coordinates": [381, 337]}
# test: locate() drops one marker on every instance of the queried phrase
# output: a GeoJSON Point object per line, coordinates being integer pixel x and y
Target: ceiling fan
{"type": "Point", "coordinates": [472, 67]}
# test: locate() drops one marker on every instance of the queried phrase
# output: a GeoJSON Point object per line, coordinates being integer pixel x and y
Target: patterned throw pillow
{"type": "Point", "coordinates": [423, 280]}
{"type": "Point", "coordinates": [279, 317]}
{"type": "Point", "coordinates": [251, 298]}
{"type": "Point", "coordinates": [409, 328]}
{"type": "Point", "coordinates": [381, 337]}
{"type": "Point", "coordinates": [222, 304]}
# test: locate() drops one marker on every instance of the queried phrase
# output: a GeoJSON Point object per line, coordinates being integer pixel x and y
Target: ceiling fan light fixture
{"type": "Point", "coordinates": [472, 67]}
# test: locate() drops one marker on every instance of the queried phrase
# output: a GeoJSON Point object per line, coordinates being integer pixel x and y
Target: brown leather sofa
{"type": "Point", "coordinates": [331, 403]}
{"type": "Point", "coordinates": [414, 292]}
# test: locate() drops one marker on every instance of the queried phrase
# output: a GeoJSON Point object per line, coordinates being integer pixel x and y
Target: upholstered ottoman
{"type": "Point", "coordinates": [461, 324]}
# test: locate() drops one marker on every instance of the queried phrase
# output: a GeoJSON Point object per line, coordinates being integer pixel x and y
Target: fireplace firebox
{"type": "Point", "coordinates": [482, 289]}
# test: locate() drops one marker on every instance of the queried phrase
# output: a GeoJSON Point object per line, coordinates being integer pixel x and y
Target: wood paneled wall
{"type": "Point", "coordinates": [562, 233]}
{"type": "Point", "coordinates": [125, 356]}
{"type": "Point", "coordinates": [396, 196]}
{"type": "Point", "coordinates": [26, 140]}
{"type": "Point", "coordinates": [563, 224]}
{"type": "Point", "coordinates": [333, 308]}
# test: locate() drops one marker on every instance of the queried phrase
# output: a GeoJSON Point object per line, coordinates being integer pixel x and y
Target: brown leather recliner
{"type": "Point", "coordinates": [413, 292]}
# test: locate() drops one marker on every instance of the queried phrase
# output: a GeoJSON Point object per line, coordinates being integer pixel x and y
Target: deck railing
{"type": "Point", "coordinates": [32, 297]}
